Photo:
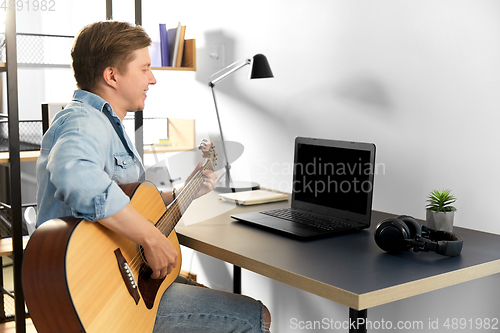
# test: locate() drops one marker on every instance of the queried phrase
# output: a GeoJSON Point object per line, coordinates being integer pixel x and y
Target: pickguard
{"type": "Point", "coordinates": [148, 286]}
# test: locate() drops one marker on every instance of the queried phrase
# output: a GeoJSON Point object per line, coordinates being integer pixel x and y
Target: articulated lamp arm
{"type": "Point", "coordinates": [229, 72]}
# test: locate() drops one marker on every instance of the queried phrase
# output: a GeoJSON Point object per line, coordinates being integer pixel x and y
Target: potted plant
{"type": "Point", "coordinates": [440, 210]}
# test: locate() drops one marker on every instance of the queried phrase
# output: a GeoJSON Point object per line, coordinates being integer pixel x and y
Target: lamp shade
{"type": "Point", "coordinates": [260, 67]}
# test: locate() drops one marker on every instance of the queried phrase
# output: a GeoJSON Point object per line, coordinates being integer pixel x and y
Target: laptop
{"type": "Point", "coordinates": [331, 194]}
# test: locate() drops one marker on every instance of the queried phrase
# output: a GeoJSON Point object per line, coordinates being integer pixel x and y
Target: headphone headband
{"type": "Point", "coordinates": [441, 242]}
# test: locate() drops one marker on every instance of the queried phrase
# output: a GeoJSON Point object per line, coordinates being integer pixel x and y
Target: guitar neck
{"type": "Point", "coordinates": [181, 203]}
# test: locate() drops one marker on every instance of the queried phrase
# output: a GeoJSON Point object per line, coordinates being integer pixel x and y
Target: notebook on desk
{"type": "Point", "coordinates": [332, 190]}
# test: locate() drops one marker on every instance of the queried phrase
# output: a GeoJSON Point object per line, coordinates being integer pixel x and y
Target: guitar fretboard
{"type": "Point", "coordinates": [181, 203]}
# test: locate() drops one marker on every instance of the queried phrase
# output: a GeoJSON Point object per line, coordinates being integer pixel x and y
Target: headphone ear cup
{"type": "Point", "coordinates": [412, 224]}
{"type": "Point", "coordinates": [391, 235]}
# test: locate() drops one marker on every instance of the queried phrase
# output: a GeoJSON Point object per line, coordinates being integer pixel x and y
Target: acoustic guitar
{"type": "Point", "coordinates": [79, 276]}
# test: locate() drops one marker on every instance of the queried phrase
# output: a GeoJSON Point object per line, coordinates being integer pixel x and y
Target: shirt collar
{"type": "Point", "coordinates": [94, 100]}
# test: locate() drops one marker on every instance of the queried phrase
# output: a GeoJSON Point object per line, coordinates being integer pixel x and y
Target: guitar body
{"type": "Point", "coordinates": [75, 280]}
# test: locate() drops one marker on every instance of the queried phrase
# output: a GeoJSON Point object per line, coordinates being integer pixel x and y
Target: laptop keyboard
{"type": "Point", "coordinates": [307, 219]}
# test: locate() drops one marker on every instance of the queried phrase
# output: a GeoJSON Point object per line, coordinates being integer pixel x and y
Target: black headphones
{"type": "Point", "coordinates": [398, 234]}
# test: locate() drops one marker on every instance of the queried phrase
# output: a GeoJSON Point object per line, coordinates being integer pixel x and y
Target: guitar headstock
{"type": "Point", "coordinates": [208, 151]}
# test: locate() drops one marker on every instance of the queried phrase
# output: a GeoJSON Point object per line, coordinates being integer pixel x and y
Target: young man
{"type": "Point", "coordinates": [86, 154]}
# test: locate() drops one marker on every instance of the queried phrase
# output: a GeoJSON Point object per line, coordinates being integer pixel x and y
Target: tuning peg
{"type": "Point", "coordinates": [203, 144]}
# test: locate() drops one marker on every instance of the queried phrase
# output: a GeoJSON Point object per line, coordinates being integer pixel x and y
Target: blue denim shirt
{"type": "Point", "coordinates": [83, 160]}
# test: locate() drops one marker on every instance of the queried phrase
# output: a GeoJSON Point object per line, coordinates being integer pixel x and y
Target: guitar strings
{"type": "Point", "coordinates": [165, 223]}
{"type": "Point", "coordinates": [170, 218]}
{"type": "Point", "coordinates": [172, 213]}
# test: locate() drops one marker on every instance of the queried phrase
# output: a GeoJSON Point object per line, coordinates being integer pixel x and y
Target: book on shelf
{"type": "Point", "coordinates": [163, 142]}
{"type": "Point", "coordinates": [171, 35]}
{"type": "Point", "coordinates": [155, 49]}
{"type": "Point", "coordinates": [180, 32]}
{"type": "Point", "coordinates": [180, 45]}
{"type": "Point", "coordinates": [165, 59]}
{"type": "Point", "coordinates": [172, 45]}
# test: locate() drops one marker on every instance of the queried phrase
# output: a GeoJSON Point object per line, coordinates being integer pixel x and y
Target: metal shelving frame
{"type": "Point", "coordinates": [15, 167]}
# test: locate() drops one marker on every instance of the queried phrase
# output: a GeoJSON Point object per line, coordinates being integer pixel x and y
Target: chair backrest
{"type": "Point", "coordinates": [30, 218]}
{"type": "Point", "coordinates": [49, 110]}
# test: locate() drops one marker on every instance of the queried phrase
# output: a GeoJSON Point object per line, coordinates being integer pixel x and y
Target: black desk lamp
{"type": "Point", "coordinates": [260, 70]}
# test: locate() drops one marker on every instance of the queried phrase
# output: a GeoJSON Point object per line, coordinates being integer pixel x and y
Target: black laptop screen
{"type": "Point", "coordinates": [333, 177]}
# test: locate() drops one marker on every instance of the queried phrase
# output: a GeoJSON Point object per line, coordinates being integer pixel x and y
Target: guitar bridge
{"type": "Point", "coordinates": [127, 276]}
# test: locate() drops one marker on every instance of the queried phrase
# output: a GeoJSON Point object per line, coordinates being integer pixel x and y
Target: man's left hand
{"type": "Point", "coordinates": [209, 184]}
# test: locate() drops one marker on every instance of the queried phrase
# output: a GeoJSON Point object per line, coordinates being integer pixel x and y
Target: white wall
{"type": "Point", "coordinates": [417, 78]}
{"type": "Point", "coordinates": [420, 79]}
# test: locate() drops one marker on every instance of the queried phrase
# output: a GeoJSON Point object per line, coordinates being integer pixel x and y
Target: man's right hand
{"type": "Point", "coordinates": [161, 255]}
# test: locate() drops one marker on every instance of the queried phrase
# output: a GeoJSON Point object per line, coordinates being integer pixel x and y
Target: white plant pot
{"type": "Point", "coordinates": [440, 220]}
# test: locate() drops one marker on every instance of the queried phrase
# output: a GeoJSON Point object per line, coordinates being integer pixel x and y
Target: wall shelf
{"type": "Point", "coordinates": [188, 58]}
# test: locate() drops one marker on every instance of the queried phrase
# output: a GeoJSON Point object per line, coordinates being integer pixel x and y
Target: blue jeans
{"type": "Point", "coordinates": [191, 309]}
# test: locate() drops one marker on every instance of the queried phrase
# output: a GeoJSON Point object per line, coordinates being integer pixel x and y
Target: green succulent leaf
{"type": "Point", "coordinates": [441, 201]}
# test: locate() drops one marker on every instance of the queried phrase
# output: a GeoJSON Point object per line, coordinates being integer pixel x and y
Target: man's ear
{"type": "Point", "coordinates": [109, 76]}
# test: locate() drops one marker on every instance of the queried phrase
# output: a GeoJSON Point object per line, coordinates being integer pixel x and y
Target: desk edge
{"type": "Point", "coordinates": [414, 288]}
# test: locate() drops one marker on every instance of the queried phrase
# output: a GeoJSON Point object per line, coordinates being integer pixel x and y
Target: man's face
{"type": "Point", "coordinates": [133, 83]}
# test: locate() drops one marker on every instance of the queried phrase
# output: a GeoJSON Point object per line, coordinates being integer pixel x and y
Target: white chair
{"type": "Point", "coordinates": [30, 218]}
